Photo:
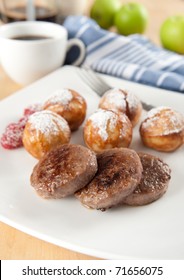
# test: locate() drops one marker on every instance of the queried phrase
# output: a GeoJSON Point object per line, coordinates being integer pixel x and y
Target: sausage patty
{"type": "Point", "coordinates": [63, 171]}
{"type": "Point", "coordinates": [154, 182]}
{"type": "Point", "coordinates": [119, 172]}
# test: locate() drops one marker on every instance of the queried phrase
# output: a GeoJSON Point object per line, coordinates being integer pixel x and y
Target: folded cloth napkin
{"type": "Point", "coordinates": [133, 57]}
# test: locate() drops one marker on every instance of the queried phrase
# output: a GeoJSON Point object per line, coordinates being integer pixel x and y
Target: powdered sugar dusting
{"type": "Point", "coordinates": [116, 98]}
{"type": "Point", "coordinates": [165, 119]}
{"type": "Point", "coordinates": [62, 96]}
{"type": "Point", "coordinates": [12, 137]}
{"type": "Point", "coordinates": [132, 100]}
{"type": "Point", "coordinates": [32, 109]}
{"type": "Point", "coordinates": [153, 112]}
{"type": "Point", "coordinates": [101, 119]}
{"type": "Point", "coordinates": [120, 99]}
{"type": "Point", "coordinates": [48, 123]}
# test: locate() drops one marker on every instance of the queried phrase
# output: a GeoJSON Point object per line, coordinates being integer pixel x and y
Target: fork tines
{"type": "Point", "coordinates": [99, 85]}
{"type": "Point", "coordinates": [93, 81]}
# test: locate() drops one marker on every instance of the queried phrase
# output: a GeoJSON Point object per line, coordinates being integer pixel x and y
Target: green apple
{"type": "Point", "coordinates": [172, 34]}
{"type": "Point", "coordinates": [131, 18]}
{"type": "Point", "coordinates": [103, 11]}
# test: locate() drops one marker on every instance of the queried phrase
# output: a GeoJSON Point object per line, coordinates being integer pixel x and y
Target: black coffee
{"type": "Point", "coordinates": [30, 37]}
{"type": "Point", "coordinates": [18, 13]}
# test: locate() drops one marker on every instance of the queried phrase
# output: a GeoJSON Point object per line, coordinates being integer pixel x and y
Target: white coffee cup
{"type": "Point", "coordinates": [28, 60]}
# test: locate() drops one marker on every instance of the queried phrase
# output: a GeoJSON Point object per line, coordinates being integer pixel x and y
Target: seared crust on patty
{"type": "Point", "coordinates": [119, 172]}
{"type": "Point", "coordinates": [154, 182]}
{"type": "Point", "coordinates": [63, 171]}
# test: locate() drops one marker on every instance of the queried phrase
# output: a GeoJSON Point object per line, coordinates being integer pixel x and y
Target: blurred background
{"type": "Point", "coordinates": [158, 11]}
{"type": "Point", "coordinates": [58, 10]}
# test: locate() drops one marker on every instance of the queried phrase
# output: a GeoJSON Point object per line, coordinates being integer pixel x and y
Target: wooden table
{"type": "Point", "coordinates": [17, 245]}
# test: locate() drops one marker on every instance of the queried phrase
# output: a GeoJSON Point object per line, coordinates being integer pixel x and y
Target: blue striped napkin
{"type": "Point", "coordinates": [132, 57]}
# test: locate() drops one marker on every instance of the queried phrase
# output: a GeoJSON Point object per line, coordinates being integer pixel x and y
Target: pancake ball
{"type": "Point", "coordinates": [69, 104]}
{"type": "Point", "coordinates": [107, 129]}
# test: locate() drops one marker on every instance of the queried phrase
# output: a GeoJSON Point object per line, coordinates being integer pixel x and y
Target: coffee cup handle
{"type": "Point", "coordinates": [76, 42]}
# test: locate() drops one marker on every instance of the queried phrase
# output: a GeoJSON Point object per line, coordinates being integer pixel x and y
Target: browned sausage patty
{"type": "Point", "coordinates": [119, 172]}
{"type": "Point", "coordinates": [154, 182]}
{"type": "Point", "coordinates": [63, 171]}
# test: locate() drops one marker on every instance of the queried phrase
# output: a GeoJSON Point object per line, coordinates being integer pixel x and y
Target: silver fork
{"type": "Point", "coordinates": [99, 85]}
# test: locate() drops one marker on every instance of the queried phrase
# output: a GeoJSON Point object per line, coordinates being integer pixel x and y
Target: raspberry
{"type": "Point", "coordinates": [12, 137]}
{"type": "Point", "coordinates": [32, 109]}
{"type": "Point", "coordinates": [22, 122]}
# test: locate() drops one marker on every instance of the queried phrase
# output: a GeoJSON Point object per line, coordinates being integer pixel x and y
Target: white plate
{"type": "Point", "coordinates": [154, 231]}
